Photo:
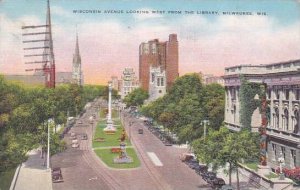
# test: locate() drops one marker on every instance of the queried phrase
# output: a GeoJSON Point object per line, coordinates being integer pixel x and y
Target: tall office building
{"type": "Point", "coordinates": [158, 54]}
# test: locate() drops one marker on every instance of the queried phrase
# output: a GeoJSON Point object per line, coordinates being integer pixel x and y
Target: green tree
{"type": "Point", "coordinates": [136, 97]}
{"type": "Point", "coordinates": [224, 147]}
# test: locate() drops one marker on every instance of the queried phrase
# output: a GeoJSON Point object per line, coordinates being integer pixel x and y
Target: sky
{"type": "Point", "coordinates": [109, 42]}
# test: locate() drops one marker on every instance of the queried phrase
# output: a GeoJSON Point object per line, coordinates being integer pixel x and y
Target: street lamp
{"type": "Point", "coordinates": [48, 146]}
{"type": "Point", "coordinates": [281, 162]}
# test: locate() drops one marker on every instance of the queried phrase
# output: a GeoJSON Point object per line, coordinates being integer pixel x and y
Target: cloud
{"type": "Point", "coordinates": [60, 11]}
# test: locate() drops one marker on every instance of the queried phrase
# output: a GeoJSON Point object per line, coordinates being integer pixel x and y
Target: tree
{"type": "Point", "coordinates": [136, 97]}
{"type": "Point", "coordinates": [222, 147]}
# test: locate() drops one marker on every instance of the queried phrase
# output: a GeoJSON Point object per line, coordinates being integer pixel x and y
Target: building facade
{"type": "Point", "coordinates": [129, 82]}
{"type": "Point", "coordinates": [158, 54]}
{"type": "Point", "coordinates": [282, 81]}
{"type": "Point", "coordinates": [157, 85]}
{"type": "Point", "coordinates": [76, 69]}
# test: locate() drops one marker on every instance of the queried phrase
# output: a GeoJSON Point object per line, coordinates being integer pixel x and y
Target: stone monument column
{"type": "Point", "coordinates": [109, 120]}
{"type": "Point", "coordinates": [110, 126]}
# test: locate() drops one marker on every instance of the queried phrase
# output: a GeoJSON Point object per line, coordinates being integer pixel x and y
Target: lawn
{"type": "Point", "coordinates": [114, 113]}
{"type": "Point", "coordinates": [271, 175]}
{"type": "Point", "coordinates": [107, 157]}
{"type": "Point", "coordinates": [252, 165]}
{"type": "Point", "coordinates": [6, 178]}
{"type": "Point", "coordinates": [110, 140]}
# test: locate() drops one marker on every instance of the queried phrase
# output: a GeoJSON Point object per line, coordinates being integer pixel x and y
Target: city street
{"type": "Point", "coordinates": [160, 167]}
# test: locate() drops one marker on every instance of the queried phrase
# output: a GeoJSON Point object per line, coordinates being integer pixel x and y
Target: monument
{"type": "Point", "coordinates": [123, 158]}
{"type": "Point", "coordinates": [109, 129]}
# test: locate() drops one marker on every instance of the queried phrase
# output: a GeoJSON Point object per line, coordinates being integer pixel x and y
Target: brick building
{"type": "Point", "coordinates": [158, 54]}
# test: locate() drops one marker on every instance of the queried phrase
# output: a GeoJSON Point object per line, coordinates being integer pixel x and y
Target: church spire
{"type": "Point", "coordinates": [77, 73]}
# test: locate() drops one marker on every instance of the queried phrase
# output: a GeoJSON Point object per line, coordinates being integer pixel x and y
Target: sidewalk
{"type": "Point", "coordinates": [33, 175]}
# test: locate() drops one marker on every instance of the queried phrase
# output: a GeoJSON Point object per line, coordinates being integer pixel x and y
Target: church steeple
{"type": "Point", "coordinates": [77, 73]}
{"type": "Point", "coordinates": [76, 56]}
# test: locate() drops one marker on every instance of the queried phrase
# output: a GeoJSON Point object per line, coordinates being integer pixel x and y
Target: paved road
{"type": "Point", "coordinates": [82, 169]}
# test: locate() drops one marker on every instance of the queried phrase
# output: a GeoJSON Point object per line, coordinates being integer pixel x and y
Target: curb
{"type": "Point", "coordinates": [15, 179]}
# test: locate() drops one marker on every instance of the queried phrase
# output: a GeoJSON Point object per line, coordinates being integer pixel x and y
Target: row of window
{"type": "Point", "coordinates": [283, 151]}
{"type": "Point", "coordinates": [286, 94]}
{"type": "Point", "coordinates": [295, 125]}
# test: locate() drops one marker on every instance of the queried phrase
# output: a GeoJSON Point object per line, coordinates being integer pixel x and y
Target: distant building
{"type": "Point", "coordinates": [282, 81]}
{"type": "Point", "coordinates": [77, 75]}
{"type": "Point", "coordinates": [63, 78]}
{"type": "Point", "coordinates": [129, 82]}
{"type": "Point", "coordinates": [157, 83]}
{"type": "Point", "coordinates": [115, 82]}
{"type": "Point", "coordinates": [210, 78]}
{"type": "Point", "coordinates": [158, 54]}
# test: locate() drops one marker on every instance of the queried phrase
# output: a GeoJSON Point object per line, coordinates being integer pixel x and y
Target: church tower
{"type": "Point", "coordinates": [77, 73]}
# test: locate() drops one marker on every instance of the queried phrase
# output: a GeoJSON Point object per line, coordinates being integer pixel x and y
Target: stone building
{"type": "Point", "coordinates": [157, 83]}
{"type": "Point", "coordinates": [158, 54]}
{"type": "Point", "coordinates": [282, 82]}
{"type": "Point", "coordinates": [129, 82]}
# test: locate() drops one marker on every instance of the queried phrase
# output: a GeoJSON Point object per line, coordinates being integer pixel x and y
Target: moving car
{"type": "Point", "coordinates": [56, 175]}
{"type": "Point", "coordinates": [140, 131]}
{"type": "Point", "coordinates": [84, 136]}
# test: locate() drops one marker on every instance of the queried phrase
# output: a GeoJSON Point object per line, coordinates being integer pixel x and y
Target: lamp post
{"type": "Point", "coordinates": [48, 146]}
{"type": "Point", "coordinates": [281, 162]}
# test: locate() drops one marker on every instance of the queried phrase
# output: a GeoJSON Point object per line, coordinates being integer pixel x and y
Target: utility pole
{"type": "Point", "coordinates": [48, 151]}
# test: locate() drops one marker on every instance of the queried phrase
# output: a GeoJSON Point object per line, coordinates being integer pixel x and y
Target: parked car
{"type": "Point", "coordinates": [140, 131]}
{"type": "Point", "coordinates": [57, 175]}
{"type": "Point", "coordinates": [84, 136]}
{"type": "Point", "coordinates": [209, 176]}
{"type": "Point", "coordinates": [201, 169]}
{"type": "Point", "coordinates": [217, 183]}
{"type": "Point", "coordinates": [73, 135]}
{"type": "Point", "coordinates": [186, 156]}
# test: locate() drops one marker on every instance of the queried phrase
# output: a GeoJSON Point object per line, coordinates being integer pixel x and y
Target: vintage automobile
{"type": "Point", "coordinates": [186, 157]}
{"type": "Point", "coordinates": [217, 183]}
{"type": "Point", "coordinates": [140, 131]}
{"type": "Point", "coordinates": [84, 136]}
{"type": "Point", "coordinates": [75, 143]}
{"type": "Point", "coordinates": [73, 136]}
{"type": "Point", "coordinates": [57, 175]}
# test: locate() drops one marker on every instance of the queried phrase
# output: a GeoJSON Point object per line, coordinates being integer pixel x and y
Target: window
{"type": "Point", "coordinates": [297, 94]}
{"type": "Point", "coordinates": [296, 122]}
{"type": "Point", "coordinates": [162, 82]}
{"type": "Point", "coordinates": [269, 94]}
{"type": "Point", "coordinates": [293, 158]}
{"type": "Point", "coordinates": [283, 151]}
{"type": "Point", "coordinates": [158, 82]}
{"type": "Point", "coordinates": [277, 94]}
{"type": "Point", "coordinates": [274, 150]}
{"type": "Point", "coordinates": [286, 119]}
{"type": "Point", "coordinates": [152, 77]}
{"type": "Point", "coordinates": [233, 94]}
{"type": "Point", "coordinates": [276, 118]}
{"type": "Point", "coordinates": [287, 93]}
{"type": "Point", "coordinates": [159, 91]}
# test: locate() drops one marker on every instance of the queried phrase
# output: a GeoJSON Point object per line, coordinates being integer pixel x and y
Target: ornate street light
{"type": "Point", "coordinates": [281, 162]}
